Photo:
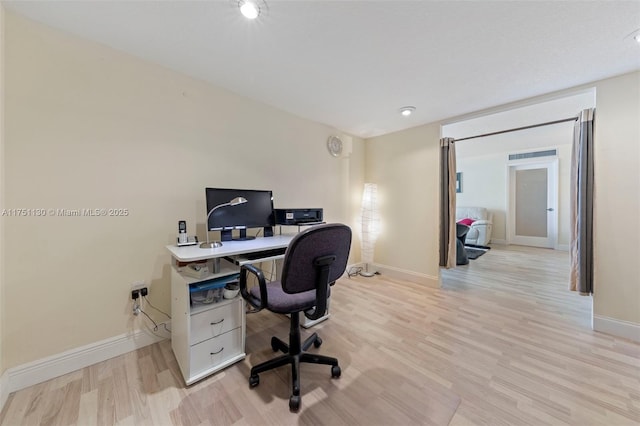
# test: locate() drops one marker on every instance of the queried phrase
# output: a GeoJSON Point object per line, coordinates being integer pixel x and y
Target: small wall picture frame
{"type": "Point", "coordinates": [458, 182]}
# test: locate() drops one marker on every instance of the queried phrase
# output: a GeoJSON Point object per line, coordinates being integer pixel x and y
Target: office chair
{"type": "Point", "coordinates": [314, 260]}
{"type": "Point", "coordinates": [461, 252]}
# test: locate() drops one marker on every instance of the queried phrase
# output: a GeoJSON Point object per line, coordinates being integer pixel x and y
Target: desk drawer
{"type": "Point", "coordinates": [215, 321]}
{"type": "Point", "coordinates": [215, 351]}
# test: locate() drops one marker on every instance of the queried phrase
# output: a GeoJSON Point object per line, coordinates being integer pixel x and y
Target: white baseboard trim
{"type": "Point", "coordinates": [4, 389]}
{"type": "Point", "coordinates": [626, 329]}
{"type": "Point", "coordinates": [44, 369]}
{"type": "Point", "coordinates": [352, 267]}
{"type": "Point", "coordinates": [403, 274]}
{"type": "Point", "coordinates": [501, 242]}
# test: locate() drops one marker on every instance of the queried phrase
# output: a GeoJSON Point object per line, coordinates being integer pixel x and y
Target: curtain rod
{"type": "Point", "coordinates": [518, 128]}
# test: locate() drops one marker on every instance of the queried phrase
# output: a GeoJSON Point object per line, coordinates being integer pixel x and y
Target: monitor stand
{"type": "Point", "coordinates": [243, 236]}
{"type": "Point", "coordinates": [225, 235]}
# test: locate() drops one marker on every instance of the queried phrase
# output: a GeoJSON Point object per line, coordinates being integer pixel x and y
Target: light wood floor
{"type": "Point", "coordinates": [502, 343]}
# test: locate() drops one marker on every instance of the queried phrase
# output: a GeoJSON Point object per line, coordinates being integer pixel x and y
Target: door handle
{"type": "Point", "coordinates": [550, 209]}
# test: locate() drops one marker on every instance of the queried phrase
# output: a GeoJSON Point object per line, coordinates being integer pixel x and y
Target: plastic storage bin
{"type": "Point", "coordinates": [210, 291]}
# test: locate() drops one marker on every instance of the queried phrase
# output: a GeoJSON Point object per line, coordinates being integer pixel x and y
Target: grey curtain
{"type": "Point", "coordinates": [581, 279]}
{"type": "Point", "coordinates": [447, 203]}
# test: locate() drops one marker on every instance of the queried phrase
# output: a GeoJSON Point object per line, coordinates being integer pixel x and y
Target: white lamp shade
{"type": "Point", "coordinates": [370, 221]}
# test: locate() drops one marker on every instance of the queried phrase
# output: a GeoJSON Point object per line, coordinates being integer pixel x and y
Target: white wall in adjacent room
{"type": "Point", "coordinates": [484, 161]}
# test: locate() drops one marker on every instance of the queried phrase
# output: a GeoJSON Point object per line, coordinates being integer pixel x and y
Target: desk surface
{"type": "Point", "coordinates": [229, 248]}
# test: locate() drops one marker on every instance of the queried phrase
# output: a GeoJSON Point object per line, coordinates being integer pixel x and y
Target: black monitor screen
{"type": "Point", "coordinates": [257, 212]}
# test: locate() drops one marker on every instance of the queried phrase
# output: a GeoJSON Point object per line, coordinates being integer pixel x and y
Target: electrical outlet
{"type": "Point", "coordinates": [138, 285]}
{"type": "Point", "coordinates": [138, 290]}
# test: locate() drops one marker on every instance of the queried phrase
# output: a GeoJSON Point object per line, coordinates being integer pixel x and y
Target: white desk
{"type": "Point", "coordinates": [229, 248]}
{"type": "Point", "coordinates": [208, 338]}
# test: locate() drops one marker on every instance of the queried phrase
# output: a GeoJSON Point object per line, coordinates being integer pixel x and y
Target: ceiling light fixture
{"type": "Point", "coordinates": [249, 9]}
{"type": "Point", "coordinates": [637, 38]}
{"type": "Point", "coordinates": [407, 111]}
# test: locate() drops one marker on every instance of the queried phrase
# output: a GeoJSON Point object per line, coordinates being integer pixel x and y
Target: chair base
{"type": "Point", "coordinates": [294, 354]}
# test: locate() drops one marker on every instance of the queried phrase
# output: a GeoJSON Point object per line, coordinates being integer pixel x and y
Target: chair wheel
{"type": "Point", "coordinates": [335, 371]}
{"type": "Point", "coordinates": [317, 342]}
{"type": "Point", "coordinates": [254, 381]}
{"type": "Point", "coordinates": [274, 344]}
{"type": "Point", "coordinates": [294, 403]}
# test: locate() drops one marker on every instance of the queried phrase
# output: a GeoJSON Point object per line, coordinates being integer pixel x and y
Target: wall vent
{"type": "Point", "coordinates": [536, 154]}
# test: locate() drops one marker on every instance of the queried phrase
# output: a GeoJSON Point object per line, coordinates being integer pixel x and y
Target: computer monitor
{"type": "Point", "coordinates": [257, 212]}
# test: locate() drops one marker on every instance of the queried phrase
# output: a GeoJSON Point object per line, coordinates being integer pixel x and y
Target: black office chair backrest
{"type": "Point", "coordinates": [319, 243]}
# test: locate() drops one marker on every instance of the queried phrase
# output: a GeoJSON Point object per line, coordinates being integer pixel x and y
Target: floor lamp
{"type": "Point", "coordinates": [370, 226]}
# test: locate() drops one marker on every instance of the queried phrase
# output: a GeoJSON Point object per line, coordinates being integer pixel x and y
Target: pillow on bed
{"type": "Point", "coordinates": [468, 221]}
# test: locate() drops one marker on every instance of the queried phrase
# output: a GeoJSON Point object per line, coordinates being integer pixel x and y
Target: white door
{"type": "Point", "coordinates": [533, 204]}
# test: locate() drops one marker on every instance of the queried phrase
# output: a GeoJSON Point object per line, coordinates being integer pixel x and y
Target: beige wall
{"type": "Point", "coordinates": [617, 199]}
{"type": "Point", "coordinates": [2, 189]}
{"type": "Point", "coordinates": [405, 165]}
{"type": "Point", "coordinates": [89, 127]}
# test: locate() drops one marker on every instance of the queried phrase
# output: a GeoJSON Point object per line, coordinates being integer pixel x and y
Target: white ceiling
{"type": "Point", "coordinates": [353, 64]}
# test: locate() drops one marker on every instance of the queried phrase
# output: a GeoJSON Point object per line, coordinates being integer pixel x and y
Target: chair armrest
{"type": "Point", "coordinates": [258, 304]}
{"type": "Point", "coordinates": [483, 229]}
{"type": "Point", "coordinates": [322, 265]}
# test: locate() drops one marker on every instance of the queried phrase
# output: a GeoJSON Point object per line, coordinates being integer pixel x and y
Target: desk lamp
{"type": "Point", "coordinates": [215, 244]}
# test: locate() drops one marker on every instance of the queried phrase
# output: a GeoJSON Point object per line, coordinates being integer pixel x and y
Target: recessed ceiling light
{"type": "Point", "coordinates": [407, 111]}
{"type": "Point", "coordinates": [249, 9]}
{"type": "Point", "coordinates": [637, 38]}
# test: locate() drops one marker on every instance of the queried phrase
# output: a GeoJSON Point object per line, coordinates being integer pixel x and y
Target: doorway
{"type": "Point", "coordinates": [533, 204]}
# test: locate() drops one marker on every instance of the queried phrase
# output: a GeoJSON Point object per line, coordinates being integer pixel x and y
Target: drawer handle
{"type": "Point", "coordinates": [215, 353]}
{"type": "Point", "coordinates": [217, 322]}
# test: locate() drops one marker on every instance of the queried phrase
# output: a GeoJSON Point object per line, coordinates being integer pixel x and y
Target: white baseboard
{"type": "Point", "coordinates": [626, 329]}
{"type": "Point", "coordinates": [4, 389]}
{"type": "Point", "coordinates": [403, 274]}
{"type": "Point", "coordinates": [53, 366]}
{"type": "Point", "coordinates": [352, 267]}
{"type": "Point", "coordinates": [561, 247]}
